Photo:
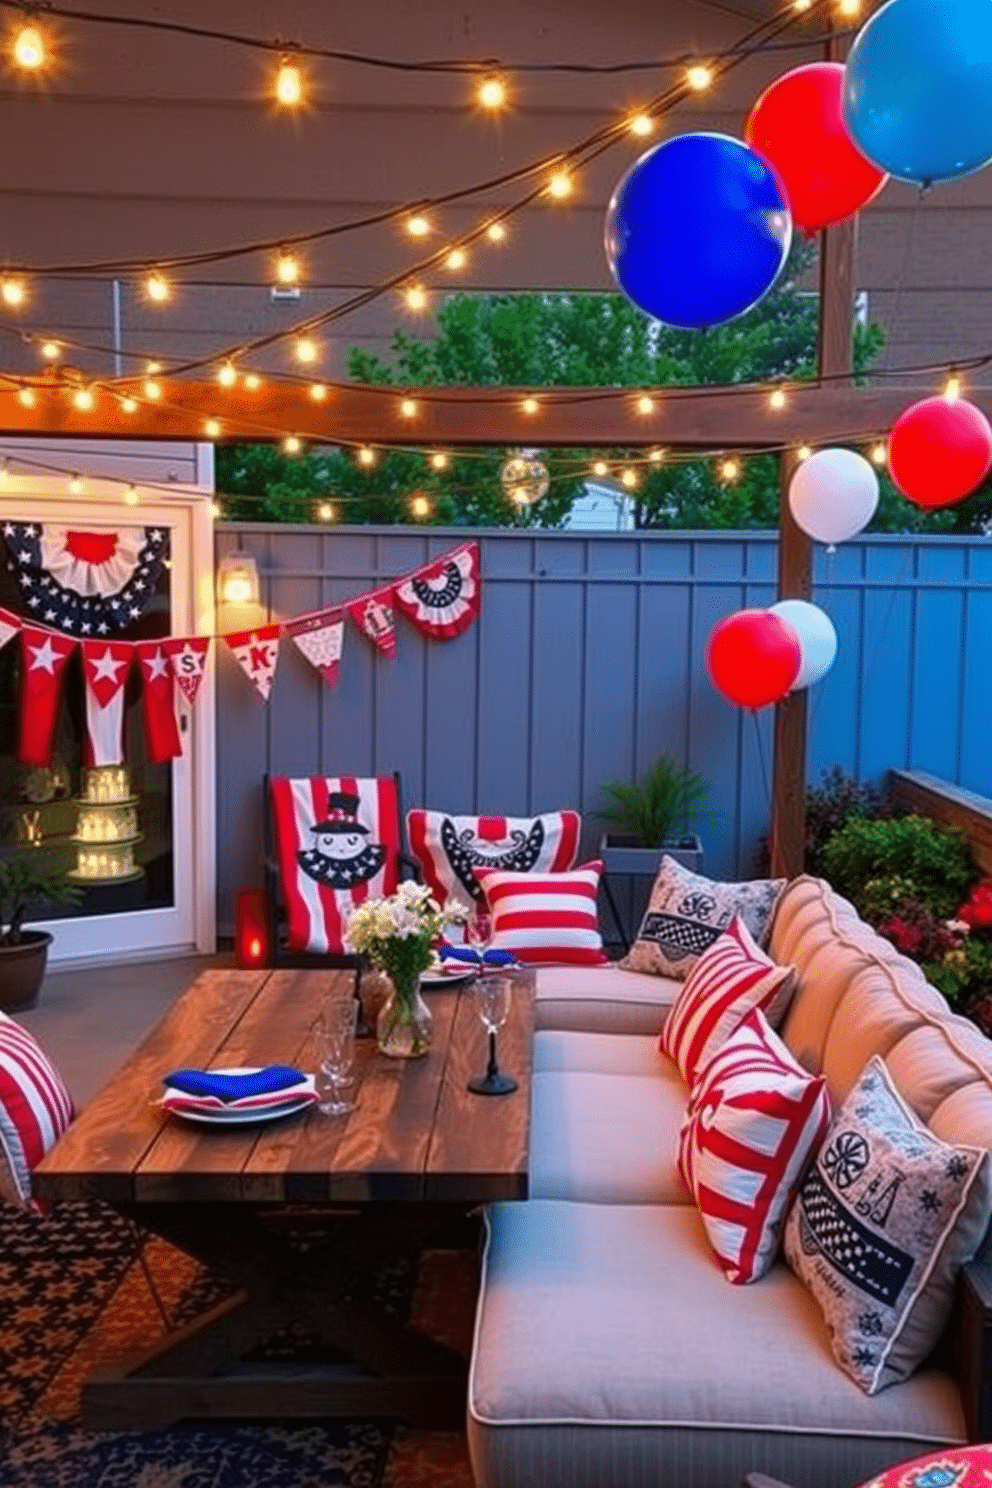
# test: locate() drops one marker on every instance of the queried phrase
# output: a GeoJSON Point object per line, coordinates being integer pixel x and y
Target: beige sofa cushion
{"type": "Point", "coordinates": [600, 1053]}
{"type": "Point", "coordinates": [607, 1138]}
{"type": "Point", "coordinates": [602, 999]}
{"type": "Point", "coordinates": [882, 1003]}
{"type": "Point", "coordinates": [585, 1345]}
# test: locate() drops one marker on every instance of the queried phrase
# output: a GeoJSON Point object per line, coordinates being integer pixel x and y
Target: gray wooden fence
{"type": "Point", "coordinates": [588, 660]}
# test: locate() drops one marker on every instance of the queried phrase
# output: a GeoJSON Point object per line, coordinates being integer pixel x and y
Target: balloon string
{"type": "Point", "coordinates": [764, 780]}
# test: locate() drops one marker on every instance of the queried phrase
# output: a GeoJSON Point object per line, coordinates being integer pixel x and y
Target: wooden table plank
{"type": "Point", "coordinates": [98, 1155]}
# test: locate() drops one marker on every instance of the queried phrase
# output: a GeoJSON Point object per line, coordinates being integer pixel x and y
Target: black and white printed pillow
{"type": "Point", "coordinates": [883, 1222]}
{"type": "Point", "coordinates": [688, 912]}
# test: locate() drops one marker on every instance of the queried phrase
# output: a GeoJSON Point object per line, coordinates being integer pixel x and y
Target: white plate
{"type": "Point", "coordinates": [447, 978]}
{"type": "Point", "coordinates": [239, 1118]}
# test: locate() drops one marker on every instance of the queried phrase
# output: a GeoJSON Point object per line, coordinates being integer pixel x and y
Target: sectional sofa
{"type": "Point", "coordinates": [610, 1351]}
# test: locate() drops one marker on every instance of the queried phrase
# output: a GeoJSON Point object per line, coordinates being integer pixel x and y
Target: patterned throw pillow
{"type": "Point", "coordinates": [546, 917]}
{"type": "Point", "coordinates": [687, 912]}
{"type": "Point", "coordinates": [35, 1108]}
{"type": "Point", "coordinates": [729, 980]}
{"type": "Point", "coordinates": [883, 1222]}
{"type": "Point", "coordinates": [753, 1122]}
{"type": "Point", "coordinates": [450, 848]}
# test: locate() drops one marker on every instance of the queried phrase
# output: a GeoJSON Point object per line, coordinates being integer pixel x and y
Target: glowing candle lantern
{"type": "Point", "coordinates": [251, 937]}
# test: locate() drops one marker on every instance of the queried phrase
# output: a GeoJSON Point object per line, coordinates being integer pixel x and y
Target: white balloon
{"type": "Point", "coordinates": [833, 495]}
{"type": "Point", "coordinates": [815, 634]}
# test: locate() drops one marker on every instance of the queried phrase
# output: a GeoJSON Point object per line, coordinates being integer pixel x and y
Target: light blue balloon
{"type": "Point", "coordinates": [918, 88]}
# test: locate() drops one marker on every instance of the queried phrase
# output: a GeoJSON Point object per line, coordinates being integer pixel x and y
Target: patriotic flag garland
{"type": "Point", "coordinates": [257, 652]}
{"type": "Point", "coordinates": [373, 614]}
{"type": "Point", "coordinates": [45, 656]}
{"type": "Point", "coordinates": [188, 658]}
{"type": "Point", "coordinates": [106, 665]}
{"type": "Point", "coordinates": [443, 598]}
{"type": "Point", "coordinates": [320, 638]}
{"type": "Point", "coordinates": [158, 701]}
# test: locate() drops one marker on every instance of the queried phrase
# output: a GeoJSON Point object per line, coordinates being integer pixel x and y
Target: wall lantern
{"type": "Point", "coordinates": [252, 945]}
{"type": "Point", "coordinates": [237, 579]}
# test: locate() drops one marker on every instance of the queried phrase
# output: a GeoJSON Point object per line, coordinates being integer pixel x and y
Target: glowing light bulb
{"type": "Point", "coordinates": [151, 389]}
{"type": "Point", "coordinates": [226, 375]}
{"type": "Point", "coordinates": [801, 5]}
{"type": "Point", "coordinates": [83, 399]}
{"type": "Point", "coordinates": [457, 259]}
{"type": "Point", "coordinates": [496, 232]}
{"type": "Point", "coordinates": [152, 369]}
{"type": "Point", "coordinates": [212, 428]}
{"type": "Point", "coordinates": [129, 405]}
{"type": "Point", "coordinates": [656, 456]}
{"type": "Point", "coordinates": [629, 479]}
{"type": "Point", "coordinates": [420, 506]}
{"type": "Point", "coordinates": [307, 349]}
{"type": "Point", "coordinates": [75, 486]}
{"type": "Point", "coordinates": [29, 49]}
{"type": "Point", "coordinates": [699, 77]}
{"type": "Point", "coordinates": [325, 511]}
{"type": "Point", "coordinates": [600, 468]}
{"type": "Point", "coordinates": [51, 351]}
{"type": "Point", "coordinates": [291, 445]}
{"type": "Point", "coordinates": [803, 452]}
{"type": "Point", "coordinates": [729, 470]}
{"type": "Point", "coordinates": [492, 93]}
{"type": "Point", "coordinates": [776, 399]}
{"type": "Point", "coordinates": [157, 288]}
{"type": "Point", "coordinates": [530, 405]}
{"type": "Point", "coordinates": [641, 124]}
{"type": "Point", "coordinates": [13, 292]}
{"type": "Point", "coordinates": [252, 382]}
{"type": "Point", "coordinates": [366, 456]}
{"type": "Point", "coordinates": [408, 408]}
{"type": "Point", "coordinates": [215, 510]}
{"type": "Point", "coordinates": [418, 226]}
{"type": "Point", "coordinates": [645, 405]}
{"type": "Point", "coordinates": [560, 185]}
{"type": "Point", "coordinates": [131, 496]}
{"type": "Point", "coordinates": [879, 454]}
{"type": "Point", "coordinates": [848, 7]}
{"type": "Point", "coordinates": [439, 460]}
{"type": "Point", "coordinates": [952, 390]}
{"type": "Point", "coordinates": [416, 297]}
{"type": "Point", "coordinates": [27, 397]}
{"type": "Point", "coordinates": [289, 84]}
{"type": "Point", "coordinates": [287, 268]}
{"type": "Point", "coordinates": [318, 392]}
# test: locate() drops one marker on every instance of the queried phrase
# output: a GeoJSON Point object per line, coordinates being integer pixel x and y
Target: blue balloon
{"type": "Point", "coordinates": [697, 230]}
{"type": "Point", "coordinates": [918, 88]}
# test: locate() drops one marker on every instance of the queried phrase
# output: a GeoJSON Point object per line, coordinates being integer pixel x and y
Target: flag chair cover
{"type": "Point", "coordinates": [337, 844]}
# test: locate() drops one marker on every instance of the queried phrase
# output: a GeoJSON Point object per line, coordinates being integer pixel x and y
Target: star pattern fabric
{"type": "Point", "coordinates": [45, 656]}
{"type": "Point", "coordinates": [106, 665]}
{"type": "Point", "coordinates": [257, 653]}
{"type": "Point", "coordinates": [86, 584]}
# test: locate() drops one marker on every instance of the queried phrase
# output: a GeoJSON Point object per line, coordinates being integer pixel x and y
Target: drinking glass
{"type": "Point", "coordinates": [334, 1032]}
{"type": "Point", "coordinates": [479, 928]}
{"type": "Point", "coordinates": [492, 1002]}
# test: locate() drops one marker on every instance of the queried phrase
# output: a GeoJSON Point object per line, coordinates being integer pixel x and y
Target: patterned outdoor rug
{"type": "Point", "coordinates": [72, 1292]}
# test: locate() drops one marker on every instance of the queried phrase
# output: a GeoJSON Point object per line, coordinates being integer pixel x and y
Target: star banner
{"type": "Point", "coordinates": [188, 657]}
{"type": "Point", "coordinates": [442, 599]}
{"type": "Point", "coordinates": [158, 702]}
{"type": "Point", "coordinates": [106, 665]}
{"type": "Point", "coordinates": [373, 614]}
{"type": "Point", "coordinates": [320, 637]}
{"type": "Point", "coordinates": [257, 652]}
{"type": "Point", "coordinates": [86, 583]}
{"type": "Point", "coordinates": [45, 656]}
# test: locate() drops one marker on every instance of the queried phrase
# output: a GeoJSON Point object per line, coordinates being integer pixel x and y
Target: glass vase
{"type": "Point", "coordinates": [404, 1025]}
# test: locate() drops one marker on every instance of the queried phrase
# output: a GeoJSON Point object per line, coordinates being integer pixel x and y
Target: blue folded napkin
{"type": "Point", "coordinates": [234, 1087]}
{"type": "Point", "coordinates": [471, 957]}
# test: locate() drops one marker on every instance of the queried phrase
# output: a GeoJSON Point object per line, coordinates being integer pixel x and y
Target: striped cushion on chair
{"type": "Point", "coordinates": [732, 977]}
{"type": "Point", "coordinates": [754, 1121]}
{"type": "Point", "coordinates": [35, 1108]}
{"type": "Point", "coordinates": [546, 917]}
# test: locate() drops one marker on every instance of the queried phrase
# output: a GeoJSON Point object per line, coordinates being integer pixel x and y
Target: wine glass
{"type": "Point", "coordinates": [492, 1003]}
{"type": "Point", "coordinates": [334, 1031]}
{"type": "Point", "coordinates": [479, 930]}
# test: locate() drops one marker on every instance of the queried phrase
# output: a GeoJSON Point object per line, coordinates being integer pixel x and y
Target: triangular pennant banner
{"type": "Point", "coordinates": [257, 652]}
{"type": "Point", "coordinates": [442, 599]}
{"type": "Point", "coordinates": [10, 624]}
{"type": "Point", "coordinates": [187, 657]}
{"type": "Point", "coordinates": [320, 637]}
{"type": "Point", "coordinates": [158, 702]}
{"type": "Point", "coordinates": [45, 656]}
{"type": "Point", "coordinates": [373, 614]}
{"type": "Point", "coordinates": [106, 665]}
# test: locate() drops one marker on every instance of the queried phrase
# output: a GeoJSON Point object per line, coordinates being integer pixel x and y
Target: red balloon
{"type": "Point", "coordinates": [939, 451]}
{"type": "Point", "coordinates": [753, 657]}
{"type": "Point", "coordinates": [798, 126]}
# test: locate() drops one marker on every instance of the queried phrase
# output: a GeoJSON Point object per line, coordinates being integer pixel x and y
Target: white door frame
{"type": "Point", "coordinates": [145, 934]}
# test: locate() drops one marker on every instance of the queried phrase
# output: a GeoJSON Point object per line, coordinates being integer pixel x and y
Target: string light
{"type": "Point", "coordinates": [628, 479]}
{"type": "Point", "coordinates": [51, 351]}
{"type": "Point", "coordinates": [215, 510]}
{"type": "Point", "coordinates": [879, 454]}
{"type": "Point", "coordinates": [803, 453]}
{"type": "Point", "coordinates": [129, 405]}
{"type": "Point", "coordinates": [420, 506]}
{"type": "Point", "coordinates": [325, 512]}
{"type": "Point", "coordinates": [366, 456]}
{"type": "Point", "coordinates": [776, 399]}
{"type": "Point", "coordinates": [600, 468]}
{"type": "Point", "coordinates": [131, 496]}
{"type": "Point", "coordinates": [289, 84]}
{"type": "Point", "coordinates": [699, 77]}
{"type": "Point", "coordinates": [530, 405]}
{"type": "Point", "coordinates": [252, 382]}
{"type": "Point", "coordinates": [227, 375]}
{"type": "Point", "coordinates": [27, 397]}
{"type": "Point", "coordinates": [157, 288]}
{"type": "Point", "coordinates": [418, 226]}
{"type": "Point", "coordinates": [13, 292]}
{"type": "Point", "coordinates": [729, 470]}
{"type": "Point", "coordinates": [291, 445]}
{"type": "Point", "coordinates": [560, 185]}
{"type": "Point", "coordinates": [416, 297]}
{"type": "Point", "coordinates": [492, 93]}
{"type": "Point", "coordinates": [952, 388]}
{"type": "Point", "coordinates": [457, 259]}
{"type": "Point", "coordinates": [29, 50]}
{"type": "Point", "coordinates": [408, 408]}
{"type": "Point", "coordinates": [439, 460]}
{"type": "Point", "coordinates": [496, 232]}
{"type": "Point", "coordinates": [152, 369]}
{"type": "Point", "coordinates": [645, 405]}
{"type": "Point", "coordinates": [318, 392]}
{"type": "Point", "coordinates": [75, 486]}
{"type": "Point", "coordinates": [212, 428]}
{"type": "Point", "coordinates": [641, 124]}
{"type": "Point", "coordinates": [84, 399]}
{"type": "Point", "coordinates": [801, 5]}
{"type": "Point", "coordinates": [152, 389]}
{"type": "Point", "coordinates": [848, 8]}
{"type": "Point", "coordinates": [307, 349]}
{"type": "Point", "coordinates": [656, 456]}
{"type": "Point", "coordinates": [287, 268]}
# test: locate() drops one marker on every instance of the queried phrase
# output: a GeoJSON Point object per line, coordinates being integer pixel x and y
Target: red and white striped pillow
{"type": "Point", "coordinates": [732, 977]}
{"type": "Point", "coordinates": [450, 848]}
{"type": "Point", "coordinates": [546, 917]}
{"type": "Point", "coordinates": [35, 1108]}
{"type": "Point", "coordinates": [754, 1121]}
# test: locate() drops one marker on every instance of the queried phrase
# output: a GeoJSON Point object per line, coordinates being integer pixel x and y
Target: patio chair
{"type": "Point", "coordinates": [331, 843]}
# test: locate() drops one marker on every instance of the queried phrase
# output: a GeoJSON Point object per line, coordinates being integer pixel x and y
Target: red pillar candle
{"type": "Point", "coordinates": [251, 935]}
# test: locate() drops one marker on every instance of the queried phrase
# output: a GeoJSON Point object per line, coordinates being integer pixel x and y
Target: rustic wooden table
{"type": "Point", "coordinates": [418, 1149]}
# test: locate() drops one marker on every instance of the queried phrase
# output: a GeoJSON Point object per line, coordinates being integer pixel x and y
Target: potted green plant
{"type": "Point", "coordinates": [25, 888]}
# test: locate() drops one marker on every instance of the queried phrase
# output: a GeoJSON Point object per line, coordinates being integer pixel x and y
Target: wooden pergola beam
{"type": "Point", "coordinates": [690, 418]}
